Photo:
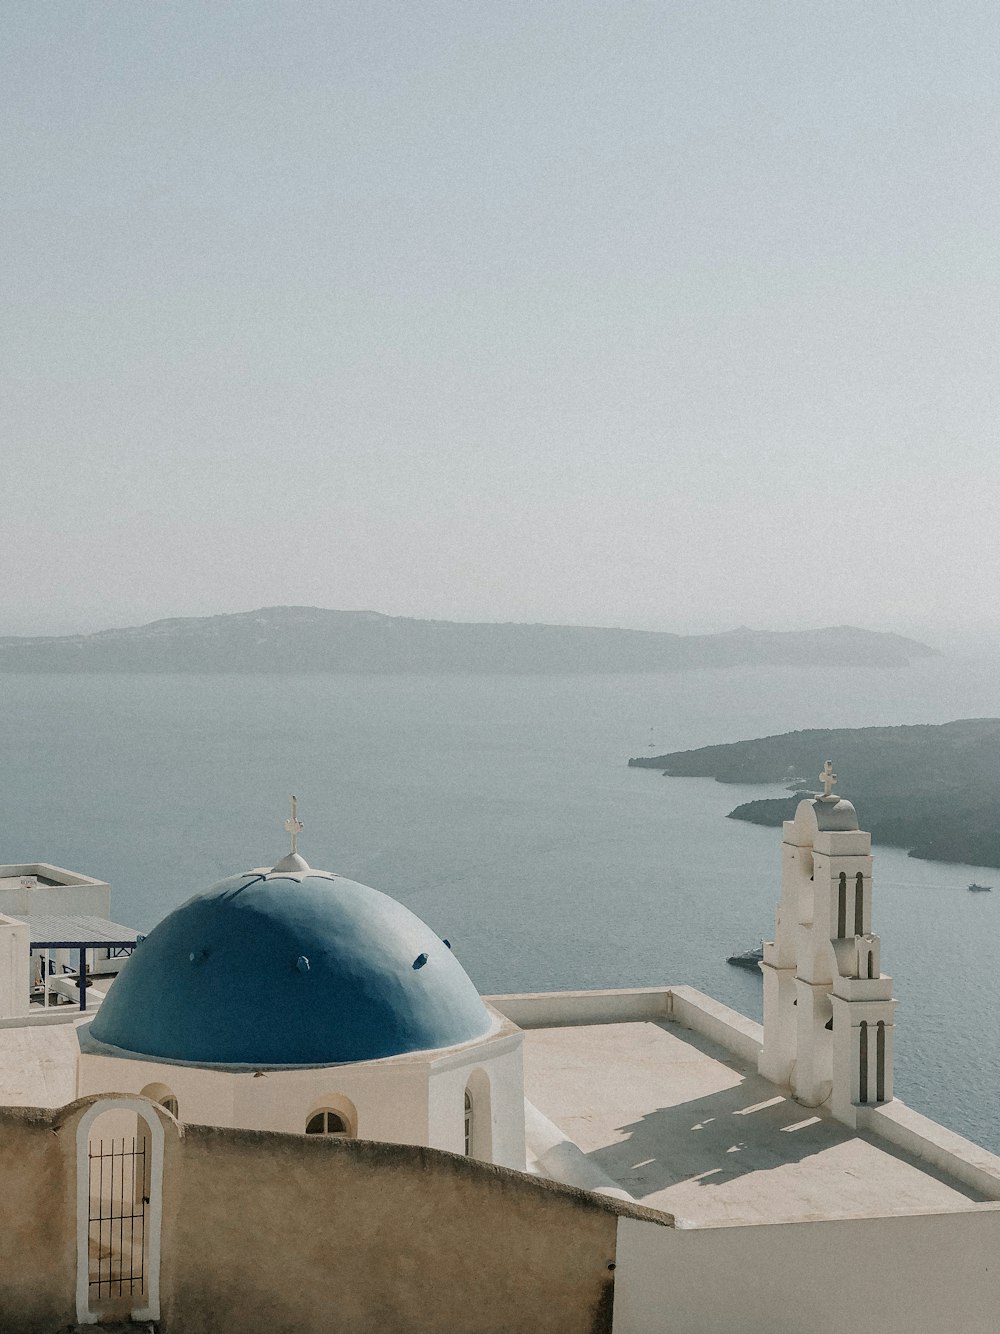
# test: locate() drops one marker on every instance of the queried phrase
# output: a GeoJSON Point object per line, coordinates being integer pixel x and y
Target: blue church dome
{"type": "Point", "coordinates": [290, 967]}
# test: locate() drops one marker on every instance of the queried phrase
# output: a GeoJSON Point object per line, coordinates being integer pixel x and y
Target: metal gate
{"type": "Point", "coordinates": [117, 1218]}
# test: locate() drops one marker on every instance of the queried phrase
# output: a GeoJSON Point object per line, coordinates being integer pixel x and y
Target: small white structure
{"type": "Point", "coordinates": [38, 889]}
{"type": "Point", "coordinates": [53, 922]}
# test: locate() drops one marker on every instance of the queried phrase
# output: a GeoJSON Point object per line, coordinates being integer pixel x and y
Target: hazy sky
{"type": "Point", "coordinates": [673, 315]}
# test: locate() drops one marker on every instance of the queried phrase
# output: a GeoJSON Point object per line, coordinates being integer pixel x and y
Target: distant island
{"type": "Point", "coordinates": [930, 789]}
{"type": "Point", "coordinates": [311, 639]}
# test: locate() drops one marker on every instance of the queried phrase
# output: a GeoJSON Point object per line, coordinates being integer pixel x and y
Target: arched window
{"type": "Point", "coordinates": [871, 963]}
{"type": "Point", "coordinates": [863, 1085]}
{"type": "Point", "coordinates": [327, 1122]}
{"type": "Point", "coordinates": [859, 904]}
{"type": "Point", "coordinates": [478, 1117]}
{"type": "Point", "coordinates": [842, 906]}
{"type": "Point", "coordinates": [162, 1096]}
{"type": "Point", "coordinates": [880, 1061]}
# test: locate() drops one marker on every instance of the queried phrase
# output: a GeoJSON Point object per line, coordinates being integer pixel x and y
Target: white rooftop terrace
{"type": "Point", "coordinates": [684, 1124]}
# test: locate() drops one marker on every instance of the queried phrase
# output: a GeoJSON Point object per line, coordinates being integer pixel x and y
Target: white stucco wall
{"type": "Point", "coordinates": [417, 1098]}
{"type": "Point", "coordinates": [916, 1274]}
{"type": "Point", "coordinates": [203, 1096]}
{"type": "Point", "coordinates": [390, 1101]}
{"type": "Point", "coordinates": [552, 1154]}
{"type": "Point", "coordinates": [556, 1009]}
{"type": "Point", "coordinates": [73, 893]}
{"type": "Point", "coordinates": [949, 1152]}
{"type": "Point", "coordinates": [730, 1029]}
{"type": "Point", "coordinates": [495, 1076]}
{"type": "Point", "coordinates": [15, 962]}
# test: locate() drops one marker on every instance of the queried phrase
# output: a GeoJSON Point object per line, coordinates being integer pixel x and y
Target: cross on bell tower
{"type": "Point", "coordinates": [827, 778]}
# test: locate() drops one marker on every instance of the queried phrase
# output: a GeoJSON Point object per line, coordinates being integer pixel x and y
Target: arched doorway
{"type": "Point", "coordinates": [161, 1094]}
{"type": "Point", "coordinates": [119, 1202]}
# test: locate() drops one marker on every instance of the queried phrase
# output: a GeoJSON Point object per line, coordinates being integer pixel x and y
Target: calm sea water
{"type": "Point", "coordinates": [501, 810]}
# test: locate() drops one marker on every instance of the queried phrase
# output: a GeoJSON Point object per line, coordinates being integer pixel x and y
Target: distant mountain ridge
{"type": "Point", "coordinates": [312, 639]}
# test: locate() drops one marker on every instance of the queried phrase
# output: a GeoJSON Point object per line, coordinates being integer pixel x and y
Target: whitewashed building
{"type": "Point", "coordinates": [296, 1000]}
{"type": "Point", "coordinates": [311, 1114]}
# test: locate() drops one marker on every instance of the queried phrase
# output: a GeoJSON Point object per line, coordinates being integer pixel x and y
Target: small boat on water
{"type": "Point", "coordinates": [748, 959]}
{"type": "Point", "coordinates": [979, 889]}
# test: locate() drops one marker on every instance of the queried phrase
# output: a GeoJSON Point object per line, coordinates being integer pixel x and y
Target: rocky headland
{"type": "Point", "coordinates": [934, 789]}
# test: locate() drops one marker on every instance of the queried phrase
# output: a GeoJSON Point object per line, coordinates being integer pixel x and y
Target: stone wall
{"type": "Point", "coordinates": [37, 1221]}
{"type": "Point", "coordinates": [290, 1235]}
{"type": "Point", "coordinates": [295, 1234]}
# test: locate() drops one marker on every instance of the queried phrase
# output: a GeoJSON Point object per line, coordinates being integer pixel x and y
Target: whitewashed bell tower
{"type": "Point", "coordinates": [828, 1009]}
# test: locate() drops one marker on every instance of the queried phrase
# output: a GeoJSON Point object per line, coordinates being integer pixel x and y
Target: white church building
{"type": "Point", "coordinates": [288, 1108]}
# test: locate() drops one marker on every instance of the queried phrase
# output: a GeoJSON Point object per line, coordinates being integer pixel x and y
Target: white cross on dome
{"type": "Point", "coordinates": [294, 825]}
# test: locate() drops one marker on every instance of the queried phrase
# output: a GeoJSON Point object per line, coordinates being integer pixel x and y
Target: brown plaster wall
{"type": "Point", "coordinates": [290, 1235]}
{"type": "Point", "coordinates": [37, 1221]}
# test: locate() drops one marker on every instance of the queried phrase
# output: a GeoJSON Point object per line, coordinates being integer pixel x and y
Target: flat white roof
{"type": "Point", "coordinates": [685, 1126]}
{"type": "Point", "coordinates": [69, 930]}
{"type": "Point", "coordinates": [47, 875]}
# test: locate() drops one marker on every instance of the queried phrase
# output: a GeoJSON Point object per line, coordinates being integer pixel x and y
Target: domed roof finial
{"type": "Point", "coordinates": [294, 861]}
{"type": "Point", "coordinates": [827, 778]}
{"type": "Point", "coordinates": [294, 825]}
